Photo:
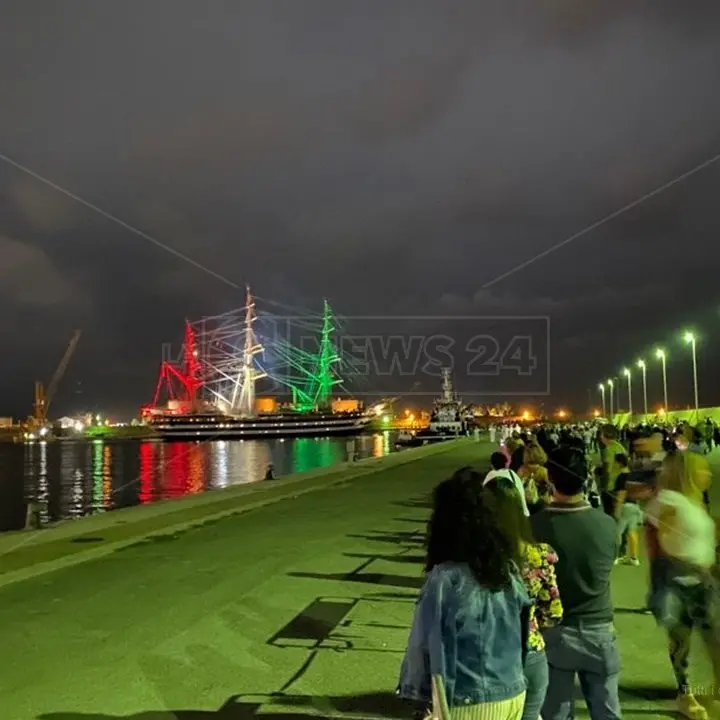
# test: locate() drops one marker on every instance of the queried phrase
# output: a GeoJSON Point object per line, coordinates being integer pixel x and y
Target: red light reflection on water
{"type": "Point", "coordinates": [170, 471]}
{"type": "Point", "coordinates": [147, 474]}
{"type": "Point", "coordinates": [174, 472]}
{"type": "Point", "coordinates": [107, 490]}
{"type": "Point", "coordinates": [195, 476]}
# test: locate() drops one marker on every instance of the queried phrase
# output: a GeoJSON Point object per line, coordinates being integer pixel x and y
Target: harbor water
{"type": "Point", "coordinates": [72, 479]}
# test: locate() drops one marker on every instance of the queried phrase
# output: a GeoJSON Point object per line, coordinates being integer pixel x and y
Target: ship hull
{"type": "Point", "coordinates": [221, 427]}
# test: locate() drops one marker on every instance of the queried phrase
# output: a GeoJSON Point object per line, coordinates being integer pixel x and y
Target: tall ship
{"type": "Point", "coordinates": [211, 392]}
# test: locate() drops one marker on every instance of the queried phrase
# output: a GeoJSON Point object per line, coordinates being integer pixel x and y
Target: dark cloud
{"type": "Point", "coordinates": [395, 161]}
{"type": "Point", "coordinates": [30, 280]}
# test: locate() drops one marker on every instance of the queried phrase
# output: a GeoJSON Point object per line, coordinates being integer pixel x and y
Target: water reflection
{"type": "Point", "coordinates": [249, 460]}
{"type": "Point", "coordinates": [147, 472]}
{"type": "Point", "coordinates": [174, 471]}
{"type": "Point", "coordinates": [378, 445]}
{"type": "Point", "coordinates": [69, 479]}
{"type": "Point", "coordinates": [98, 493]}
{"type": "Point", "coordinates": [107, 471]}
{"type": "Point", "coordinates": [195, 475]}
{"type": "Point", "coordinates": [36, 478]}
{"type": "Point", "coordinates": [221, 478]}
{"type": "Point", "coordinates": [311, 453]}
{"type": "Point", "coordinates": [77, 494]}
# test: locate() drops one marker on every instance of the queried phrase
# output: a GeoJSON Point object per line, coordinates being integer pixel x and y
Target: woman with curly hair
{"type": "Point", "coordinates": [465, 650]}
{"type": "Point", "coordinates": [538, 491]}
{"type": "Point", "coordinates": [538, 573]}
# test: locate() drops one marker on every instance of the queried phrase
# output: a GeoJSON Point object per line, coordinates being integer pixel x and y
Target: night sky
{"type": "Point", "coordinates": [394, 157]}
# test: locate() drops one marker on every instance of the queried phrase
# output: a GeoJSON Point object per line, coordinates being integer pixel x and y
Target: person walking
{"type": "Point", "coordinates": [611, 447]}
{"type": "Point", "coordinates": [500, 469]}
{"type": "Point", "coordinates": [684, 591]}
{"type": "Point", "coordinates": [628, 513]}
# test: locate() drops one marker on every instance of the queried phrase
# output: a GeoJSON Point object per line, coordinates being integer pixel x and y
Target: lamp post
{"type": "Point", "coordinates": [691, 340]}
{"type": "Point", "coordinates": [641, 364]}
{"type": "Point", "coordinates": [601, 388]}
{"type": "Point", "coordinates": [626, 372]}
{"type": "Point", "coordinates": [611, 385]}
{"type": "Point", "coordinates": [660, 355]}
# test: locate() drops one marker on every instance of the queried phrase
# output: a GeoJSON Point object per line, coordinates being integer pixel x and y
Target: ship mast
{"type": "Point", "coordinates": [327, 358]}
{"type": "Point", "coordinates": [243, 397]}
{"type": "Point", "coordinates": [448, 393]}
{"type": "Point", "coordinates": [192, 377]}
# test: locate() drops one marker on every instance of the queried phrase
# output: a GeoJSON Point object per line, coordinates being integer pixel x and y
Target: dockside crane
{"type": "Point", "coordinates": [43, 396]}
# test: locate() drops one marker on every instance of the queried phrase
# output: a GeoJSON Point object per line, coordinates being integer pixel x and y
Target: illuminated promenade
{"type": "Point", "coordinates": [309, 597]}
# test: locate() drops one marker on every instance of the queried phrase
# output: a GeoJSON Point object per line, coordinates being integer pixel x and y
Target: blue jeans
{"type": "Point", "coordinates": [589, 651]}
{"type": "Point", "coordinates": [536, 675]}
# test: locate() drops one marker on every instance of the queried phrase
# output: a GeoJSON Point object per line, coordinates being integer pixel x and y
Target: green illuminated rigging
{"type": "Point", "coordinates": [328, 358]}
{"type": "Point", "coordinates": [314, 374]}
{"type": "Point", "coordinates": [234, 358]}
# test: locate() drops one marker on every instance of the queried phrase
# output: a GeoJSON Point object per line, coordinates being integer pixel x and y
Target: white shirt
{"type": "Point", "coordinates": [514, 478]}
{"type": "Point", "coordinates": [689, 535]}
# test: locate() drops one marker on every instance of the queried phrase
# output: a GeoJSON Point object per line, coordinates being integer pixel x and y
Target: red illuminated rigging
{"type": "Point", "coordinates": [181, 384]}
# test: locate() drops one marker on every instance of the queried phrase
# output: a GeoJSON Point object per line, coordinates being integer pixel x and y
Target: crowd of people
{"type": "Point", "coordinates": [516, 602]}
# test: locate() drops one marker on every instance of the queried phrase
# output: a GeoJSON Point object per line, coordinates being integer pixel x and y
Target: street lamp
{"type": "Point", "coordinates": [641, 364]}
{"type": "Point", "coordinates": [626, 372]}
{"type": "Point", "coordinates": [661, 355]}
{"type": "Point", "coordinates": [691, 340]}
{"type": "Point", "coordinates": [601, 388]}
{"type": "Point", "coordinates": [611, 385]}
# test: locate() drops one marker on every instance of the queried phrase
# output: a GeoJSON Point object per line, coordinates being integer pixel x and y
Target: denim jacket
{"type": "Point", "coordinates": [471, 636]}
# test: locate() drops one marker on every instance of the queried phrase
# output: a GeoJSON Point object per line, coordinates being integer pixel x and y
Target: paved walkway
{"type": "Point", "coordinates": [292, 610]}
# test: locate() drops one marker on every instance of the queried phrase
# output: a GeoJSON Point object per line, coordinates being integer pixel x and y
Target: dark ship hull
{"type": "Point", "coordinates": [216, 426]}
{"type": "Point", "coordinates": [425, 437]}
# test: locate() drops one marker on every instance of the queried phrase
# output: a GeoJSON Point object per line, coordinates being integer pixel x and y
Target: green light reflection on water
{"type": "Point", "coordinates": [310, 453]}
